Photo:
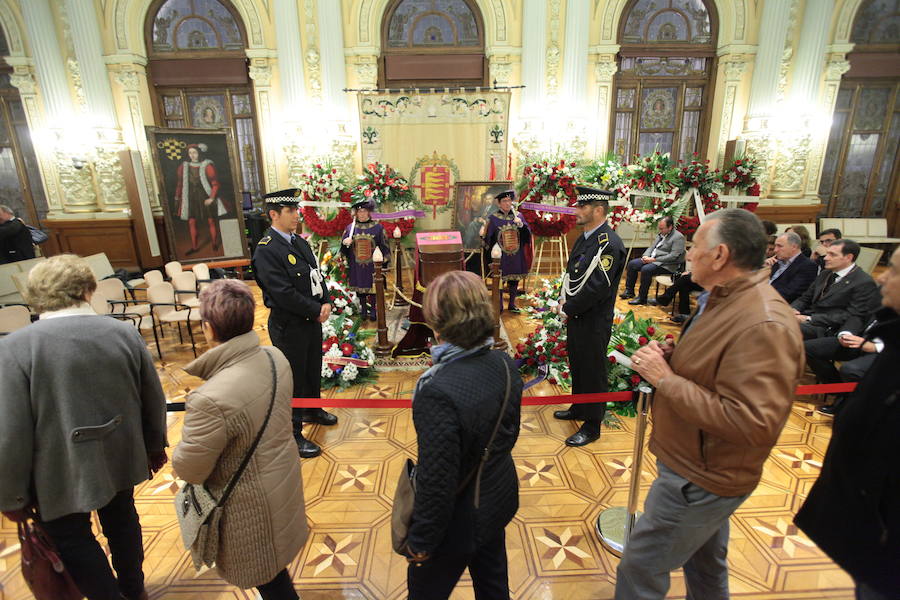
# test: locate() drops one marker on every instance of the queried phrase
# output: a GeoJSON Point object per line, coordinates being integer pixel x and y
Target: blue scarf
{"type": "Point", "coordinates": [444, 354]}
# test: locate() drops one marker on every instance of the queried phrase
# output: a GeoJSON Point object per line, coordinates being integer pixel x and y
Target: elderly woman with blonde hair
{"type": "Point", "coordinates": [466, 413]}
{"type": "Point", "coordinates": [263, 524]}
{"type": "Point", "coordinates": [68, 448]}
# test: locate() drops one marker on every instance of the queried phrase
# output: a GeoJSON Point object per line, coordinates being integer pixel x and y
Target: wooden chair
{"type": "Point", "coordinates": [13, 318]}
{"type": "Point", "coordinates": [166, 309]}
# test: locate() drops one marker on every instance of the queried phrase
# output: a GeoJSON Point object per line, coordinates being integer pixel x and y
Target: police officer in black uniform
{"type": "Point", "coordinates": [295, 292]}
{"type": "Point", "coordinates": [592, 278]}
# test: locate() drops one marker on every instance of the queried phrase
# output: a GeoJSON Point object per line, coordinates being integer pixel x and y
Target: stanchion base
{"type": "Point", "coordinates": [611, 528]}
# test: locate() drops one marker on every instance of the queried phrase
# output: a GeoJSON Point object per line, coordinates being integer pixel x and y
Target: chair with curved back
{"type": "Point", "coordinates": [172, 268]}
{"type": "Point", "coordinates": [13, 318]}
{"type": "Point", "coordinates": [115, 293]}
{"type": "Point", "coordinates": [166, 309]}
{"type": "Point", "coordinates": [185, 284]}
{"type": "Point", "coordinates": [201, 271]}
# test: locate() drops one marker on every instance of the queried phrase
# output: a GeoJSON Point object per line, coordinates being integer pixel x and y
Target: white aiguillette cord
{"type": "Point", "coordinates": [571, 287]}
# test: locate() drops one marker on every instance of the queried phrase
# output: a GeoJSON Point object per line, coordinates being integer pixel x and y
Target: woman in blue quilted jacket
{"type": "Point", "coordinates": [469, 400]}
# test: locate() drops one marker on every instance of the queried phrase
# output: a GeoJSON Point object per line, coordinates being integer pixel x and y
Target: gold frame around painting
{"type": "Point", "coordinates": [217, 231]}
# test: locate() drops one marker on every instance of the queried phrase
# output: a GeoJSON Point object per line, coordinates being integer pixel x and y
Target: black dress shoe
{"type": "Point", "coordinates": [565, 415]}
{"type": "Point", "coordinates": [626, 295]}
{"type": "Point", "coordinates": [192, 251]}
{"type": "Point", "coordinates": [637, 301]}
{"type": "Point", "coordinates": [319, 416]}
{"type": "Point", "coordinates": [679, 318]}
{"type": "Point", "coordinates": [584, 436]}
{"type": "Point", "coordinates": [306, 448]}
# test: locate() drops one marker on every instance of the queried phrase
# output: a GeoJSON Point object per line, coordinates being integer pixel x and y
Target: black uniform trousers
{"type": "Point", "coordinates": [587, 339]}
{"type": "Point", "coordinates": [435, 578]}
{"type": "Point", "coordinates": [84, 558]}
{"type": "Point", "coordinates": [300, 340]}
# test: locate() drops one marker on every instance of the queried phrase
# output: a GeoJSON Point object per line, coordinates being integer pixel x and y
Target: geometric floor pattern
{"type": "Point", "coordinates": [553, 549]}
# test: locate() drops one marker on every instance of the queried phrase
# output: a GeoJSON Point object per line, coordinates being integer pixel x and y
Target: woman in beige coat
{"type": "Point", "coordinates": [263, 524]}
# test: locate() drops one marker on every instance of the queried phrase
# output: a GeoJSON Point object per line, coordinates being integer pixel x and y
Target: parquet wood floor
{"type": "Point", "coordinates": [553, 550]}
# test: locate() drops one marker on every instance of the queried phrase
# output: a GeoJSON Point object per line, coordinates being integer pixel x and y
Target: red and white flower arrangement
{"type": "Point", "coordinates": [741, 174]}
{"type": "Point", "coordinates": [550, 181]}
{"type": "Point", "coordinates": [381, 184]}
{"type": "Point", "coordinates": [325, 183]}
{"type": "Point", "coordinates": [346, 359]}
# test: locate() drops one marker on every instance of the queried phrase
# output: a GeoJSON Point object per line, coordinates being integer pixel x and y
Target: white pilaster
{"type": "Point", "coordinates": [534, 46]}
{"type": "Point", "coordinates": [575, 55]}
{"type": "Point", "coordinates": [808, 65]}
{"type": "Point", "coordinates": [49, 66]}
{"type": "Point", "coordinates": [334, 70]}
{"type": "Point", "coordinates": [89, 53]}
{"type": "Point", "coordinates": [767, 68]}
{"type": "Point", "coordinates": [290, 56]}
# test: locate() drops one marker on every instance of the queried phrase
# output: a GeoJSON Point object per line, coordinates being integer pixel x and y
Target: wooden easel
{"type": "Point", "coordinates": [560, 243]}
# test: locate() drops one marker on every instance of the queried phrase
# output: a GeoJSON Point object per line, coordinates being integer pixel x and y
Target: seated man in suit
{"type": "Point", "coordinates": [841, 291]}
{"type": "Point", "coordinates": [664, 256]}
{"type": "Point", "coordinates": [852, 346]}
{"type": "Point", "coordinates": [792, 272]}
{"type": "Point", "coordinates": [15, 238]}
{"type": "Point", "coordinates": [826, 238]}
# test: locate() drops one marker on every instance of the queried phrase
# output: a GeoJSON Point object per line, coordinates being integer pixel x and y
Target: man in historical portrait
{"type": "Point", "coordinates": [197, 196]}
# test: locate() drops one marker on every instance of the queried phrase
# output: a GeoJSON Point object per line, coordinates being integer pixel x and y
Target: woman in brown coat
{"type": "Point", "coordinates": [263, 525]}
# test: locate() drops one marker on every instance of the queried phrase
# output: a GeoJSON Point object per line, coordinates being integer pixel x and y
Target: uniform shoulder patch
{"type": "Point", "coordinates": [603, 238]}
{"type": "Point", "coordinates": [264, 241]}
{"type": "Point", "coordinates": [606, 262]}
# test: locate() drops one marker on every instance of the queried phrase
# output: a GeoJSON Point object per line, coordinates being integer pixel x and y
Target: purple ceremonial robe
{"type": "Point", "coordinates": [513, 265]}
{"type": "Point", "coordinates": [362, 272]}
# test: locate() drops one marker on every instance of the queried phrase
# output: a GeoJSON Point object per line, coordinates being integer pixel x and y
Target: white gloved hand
{"type": "Point", "coordinates": [347, 241]}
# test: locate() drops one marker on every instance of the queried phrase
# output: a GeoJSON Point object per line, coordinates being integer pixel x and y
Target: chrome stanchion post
{"type": "Point", "coordinates": [614, 524]}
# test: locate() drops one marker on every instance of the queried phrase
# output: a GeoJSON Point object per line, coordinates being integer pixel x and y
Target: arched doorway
{"type": "Point", "coordinates": [198, 70]}
{"type": "Point", "coordinates": [432, 43]}
{"type": "Point", "coordinates": [861, 171]}
{"type": "Point", "coordinates": [664, 84]}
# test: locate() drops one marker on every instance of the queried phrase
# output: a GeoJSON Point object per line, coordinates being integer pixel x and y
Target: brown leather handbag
{"type": "Point", "coordinates": [405, 494]}
{"type": "Point", "coordinates": [42, 569]}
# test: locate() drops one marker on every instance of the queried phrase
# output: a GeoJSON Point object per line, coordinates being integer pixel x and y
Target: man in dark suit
{"type": "Point", "coordinates": [666, 255]}
{"type": "Point", "coordinates": [15, 238]}
{"type": "Point", "coordinates": [297, 296]}
{"type": "Point", "coordinates": [852, 511]}
{"type": "Point", "coordinates": [826, 238]}
{"type": "Point", "coordinates": [852, 347]}
{"type": "Point", "coordinates": [792, 272]}
{"type": "Point", "coordinates": [840, 292]}
{"type": "Point", "coordinates": [589, 297]}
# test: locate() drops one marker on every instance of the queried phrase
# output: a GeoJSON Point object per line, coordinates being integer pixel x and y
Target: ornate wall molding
{"type": "Point", "coordinates": [787, 54]}
{"type": "Point", "coordinates": [604, 70]}
{"type": "Point", "coordinates": [501, 70]}
{"type": "Point", "coordinates": [261, 74]}
{"type": "Point", "coordinates": [553, 50]}
{"type": "Point", "coordinates": [366, 68]}
{"type": "Point", "coordinates": [845, 21]}
{"type": "Point", "coordinates": [734, 66]}
{"type": "Point", "coordinates": [11, 29]}
{"type": "Point", "coordinates": [311, 56]}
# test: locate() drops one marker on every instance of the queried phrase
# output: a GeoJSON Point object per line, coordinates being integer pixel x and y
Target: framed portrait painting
{"type": "Point", "coordinates": [201, 202]}
{"type": "Point", "coordinates": [474, 203]}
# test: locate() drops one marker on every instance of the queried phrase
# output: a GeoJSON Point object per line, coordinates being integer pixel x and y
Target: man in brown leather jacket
{"type": "Point", "coordinates": [723, 395]}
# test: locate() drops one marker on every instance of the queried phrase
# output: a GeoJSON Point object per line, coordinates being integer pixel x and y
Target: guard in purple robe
{"type": "Point", "coordinates": [507, 228]}
{"type": "Point", "coordinates": [359, 241]}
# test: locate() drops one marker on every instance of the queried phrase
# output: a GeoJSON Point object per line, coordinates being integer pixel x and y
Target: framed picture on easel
{"type": "Point", "coordinates": [201, 202]}
{"type": "Point", "coordinates": [474, 203]}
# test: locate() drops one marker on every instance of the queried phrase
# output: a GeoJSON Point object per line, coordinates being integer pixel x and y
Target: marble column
{"type": "Point", "coordinates": [48, 60]}
{"type": "Point", "coordinates": [290, 57]}
{"type": "Point", "coordinates": [534, 44]}
{"type": "Point", "coordinates": [767, 68]}
{"type": "Point", "coordinates": [89, 53]}
{"type": "Point", "coordinates": [331, 46]}
{"type": "Point", "coordinates": [575, 56]}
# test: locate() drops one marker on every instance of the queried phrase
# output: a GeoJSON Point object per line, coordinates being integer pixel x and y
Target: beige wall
{"type": "Point", "coordinates": [121, 24]}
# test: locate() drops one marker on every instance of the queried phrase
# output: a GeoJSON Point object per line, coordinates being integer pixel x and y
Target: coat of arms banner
{"type": "Point", "coordinates": [442, 137]}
